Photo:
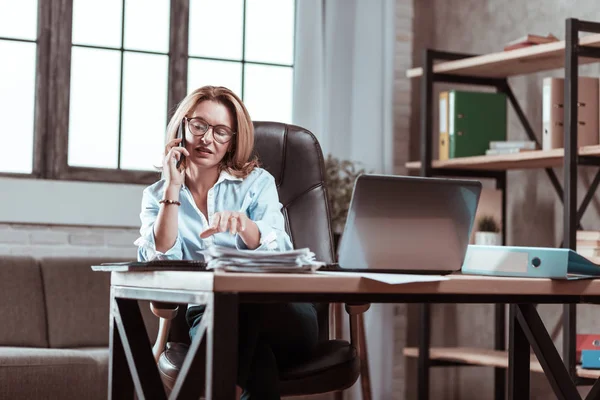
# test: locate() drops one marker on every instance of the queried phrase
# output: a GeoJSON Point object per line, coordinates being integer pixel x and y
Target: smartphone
{"type": "Point", "coordinates": [181, 134]}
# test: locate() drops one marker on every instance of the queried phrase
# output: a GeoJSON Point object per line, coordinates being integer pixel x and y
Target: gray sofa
{"type": "Point", "coordinates": [54, 328]}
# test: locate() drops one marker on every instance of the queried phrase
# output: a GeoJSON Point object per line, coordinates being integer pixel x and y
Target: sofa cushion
{"type": "Point", "coordinates": [78, 303]}
{"type": "Point", "coordinates": [22, 310]}
{"type": "Point", "coordinates": [30, 373]}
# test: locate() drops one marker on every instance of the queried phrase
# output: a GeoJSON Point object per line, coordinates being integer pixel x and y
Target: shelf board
{"type": "Point", "coordinates": [541, 57]}
{"type": "Point", "coordinates": [471, 356]}
{"type": "Point", "coordinates": [486, 357]}
{"type": "Point", "coordinates": [503, 162]}
{"type": "Point", "coordinates": [588, 373]}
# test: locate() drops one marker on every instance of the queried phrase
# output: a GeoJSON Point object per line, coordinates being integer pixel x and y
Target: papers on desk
{"type": "Point", "coordinates": [230, 259]}
{"type": "Point", "coordinates": [389, 278]}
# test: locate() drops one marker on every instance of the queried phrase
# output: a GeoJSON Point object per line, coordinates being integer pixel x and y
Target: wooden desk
{"type": "Point", "coordinates": [223, 292]}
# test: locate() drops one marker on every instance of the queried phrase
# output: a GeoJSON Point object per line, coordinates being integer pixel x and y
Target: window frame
{"type": "Point", "coordinates": [41, 92]}
{"type": "Point", "coordinates": [243, 61]}
{"type": "Point", "coordinates": [61, 69]}
{"type": "Point", "coordinates": [53, 84]}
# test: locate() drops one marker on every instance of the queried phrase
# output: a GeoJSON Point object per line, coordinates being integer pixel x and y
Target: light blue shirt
{"type": "Point", "coordinates": [256, 195]}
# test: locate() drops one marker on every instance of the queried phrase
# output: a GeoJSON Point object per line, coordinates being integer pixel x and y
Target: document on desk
{"type": "Point", "coordinates": [390, 279]}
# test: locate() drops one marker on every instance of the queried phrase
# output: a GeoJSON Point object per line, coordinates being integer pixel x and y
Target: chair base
{"type": "Point", "coordinates": [334, 366]}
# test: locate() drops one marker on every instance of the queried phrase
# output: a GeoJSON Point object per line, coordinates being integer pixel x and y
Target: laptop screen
{"type": "Point", "coordinates": [408, 223]}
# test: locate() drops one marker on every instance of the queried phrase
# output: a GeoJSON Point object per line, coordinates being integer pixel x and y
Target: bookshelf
{"type": "Point", "coordinates": [493, 70]}
{"type": "Point", "coordinates": [504, 64]}
{"type": "Point", "coordinates": [453, 356]}
{"type": "Point", "coordinates": [505, 162]}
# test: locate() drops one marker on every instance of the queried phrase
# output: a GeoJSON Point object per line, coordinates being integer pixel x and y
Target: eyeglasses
{"type": "Point", "coordinates": [198, 127]}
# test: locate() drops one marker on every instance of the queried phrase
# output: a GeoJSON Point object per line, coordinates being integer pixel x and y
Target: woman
{"type": "Point", "coordinates": [219, 195]}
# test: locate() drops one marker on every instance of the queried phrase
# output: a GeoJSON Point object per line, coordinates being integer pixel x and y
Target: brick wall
{"type": "Point", "coordinates": [402, 122]}
{"type": "Point", "coordinates": [53, 240]}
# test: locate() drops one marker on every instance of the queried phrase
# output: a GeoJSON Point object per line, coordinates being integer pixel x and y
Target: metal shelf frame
{"type": "Point", "coordinates": [571, 213]}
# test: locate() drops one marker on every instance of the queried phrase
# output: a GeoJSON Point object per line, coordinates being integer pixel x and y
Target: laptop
{"type": "Point", "coordinates": [407, 224]}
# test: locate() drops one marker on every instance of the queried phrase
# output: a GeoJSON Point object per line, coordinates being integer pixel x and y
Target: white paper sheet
{"type": "Point", "coordinates": [390, 279]}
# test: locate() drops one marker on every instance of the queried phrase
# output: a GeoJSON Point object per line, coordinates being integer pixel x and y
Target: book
{"type": "Point", "coordinates": [588, 243]}
{"type": "Point", "coordinates": [513, 144]}
{"type": "Point", "coordinates": [491, 152]}
{"type": "Point", "coordinates": [590, 252]}
{"type": "Point", "coordinates": [529, 40]}
{"type": "Point", "coordinates": [474, 120]}
{"type": "Point", "coordinates": [587, 235]}
{"type": "Point", "coordinates": [444, 139]}
{"type": "Point", "coordinates": [553, 112]}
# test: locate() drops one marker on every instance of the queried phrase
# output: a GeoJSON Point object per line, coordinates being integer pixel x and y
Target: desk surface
{"type": "Point", "coordinates": [315, 283]}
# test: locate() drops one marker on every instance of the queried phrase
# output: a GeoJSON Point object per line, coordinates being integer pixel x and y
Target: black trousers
{"type": "Point", "coordinates": [271, 337]}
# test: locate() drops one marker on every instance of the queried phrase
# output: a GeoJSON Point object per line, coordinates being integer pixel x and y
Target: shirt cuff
{"type": "Point", "coordinates": [147, 249]}
{"type": "Point", "coordinates": [268, 238]}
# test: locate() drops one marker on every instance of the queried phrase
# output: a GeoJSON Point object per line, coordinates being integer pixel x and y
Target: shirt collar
{"type": "Point", "coordinates": [226, 176]}
{"type": "Point", "coordinates": [223, 176]}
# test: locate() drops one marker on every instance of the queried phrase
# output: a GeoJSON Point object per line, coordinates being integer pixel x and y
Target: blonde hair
{"type": "Point", "coordinates": [236, 162]}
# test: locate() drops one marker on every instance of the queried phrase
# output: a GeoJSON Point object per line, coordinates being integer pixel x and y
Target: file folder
{"type": "Point", "coordinates": [528, 262]}
{"type": "Point", "coordinates": [590, 359]}
{"type": "Point", "coordinates": [474, 120]}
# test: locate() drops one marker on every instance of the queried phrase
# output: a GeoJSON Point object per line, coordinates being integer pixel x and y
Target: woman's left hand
{"type": "Point", "coordinates": [227, 221]}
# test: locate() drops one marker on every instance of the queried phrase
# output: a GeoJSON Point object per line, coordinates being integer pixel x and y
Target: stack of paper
{"type": "Point", "coordinates": [230, 259]}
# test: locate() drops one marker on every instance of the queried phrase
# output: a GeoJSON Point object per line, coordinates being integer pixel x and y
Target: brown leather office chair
{"type": "Point", "coordinates": [293, 156]}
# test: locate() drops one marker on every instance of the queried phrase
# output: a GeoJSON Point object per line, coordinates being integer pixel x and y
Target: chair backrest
{"type": "Point", "coordinates": [294, 157]}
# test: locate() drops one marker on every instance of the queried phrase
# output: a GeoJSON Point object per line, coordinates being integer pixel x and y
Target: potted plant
{"type": "Point", "coordinates": [488, 232]}
{"type": "Point", "coordinates": [340, 176]}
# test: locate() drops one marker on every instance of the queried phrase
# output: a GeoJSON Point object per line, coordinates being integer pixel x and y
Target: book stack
{"type": "Point", "coordinates": [529, 40]}
{"type": "Point", "coordinates": [588, 244]}
{"type": "Point", "coordinates": [510, 147]}
{"type": "Point", "coordinates": [234, 260]}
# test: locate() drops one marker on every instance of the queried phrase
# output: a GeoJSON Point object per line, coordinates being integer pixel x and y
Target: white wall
{"type": "Point", "coordinates": [59, 218]}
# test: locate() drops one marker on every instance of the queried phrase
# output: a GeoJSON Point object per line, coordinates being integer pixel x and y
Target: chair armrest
{"type": "Point", "coordinates": [166, 312]}
{"type": "Point", "coordinates": [354, 311]}
{"type": "Point", "coordinates": [359, 341]}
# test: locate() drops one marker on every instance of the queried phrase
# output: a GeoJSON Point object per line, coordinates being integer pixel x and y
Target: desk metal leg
{"type": "Point", "coordinates": [222, 348]}
{"type": "Point", "coordinates": [518, 359]}
{"type": "Point", "coordinates": [137, 349]}
{"type": "Point", "coordinates": [423, 361]}
{"type": "Point", "coordinates": [187, 386]}
{"type": "Point", "coordinates": [551, 362]}
{"type": "Point", "coordinates": [500, 344]}
{"type": "Point", "coordinates": [120, 384]}
{"type": "Point", "coordinates": [594, 393]}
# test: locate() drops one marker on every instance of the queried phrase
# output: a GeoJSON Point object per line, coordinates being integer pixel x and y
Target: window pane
{"type": "Point", "coordinates": [270, 31]}
{"type": "Point", "coordinates": [17, 95]}
{"type": "Point", "coordinates": [216, 28]}
{"type": "Point", "coordinates": [216, 73]}
{"type": "Point", "coordinates": [147, 25]}
{"type": "Point", "coordinates": [97, 23]}
{"type": "Point", "coordinates": [268, 92]}
{"type": "Point", "coordinates": [18, 19]}
{"type": "Point", "coordinates": [94, 108]}
{"type": "Point", "coordinates": [144, 118]}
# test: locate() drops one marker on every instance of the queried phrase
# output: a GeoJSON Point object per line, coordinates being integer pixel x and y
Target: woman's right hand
{"type": "Point", "coordinates": [171, 174]}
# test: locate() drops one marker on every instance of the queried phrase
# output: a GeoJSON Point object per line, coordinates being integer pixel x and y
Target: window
{"type": "Point", "coordinates": [247, 46]}
{"type": "Point", "coordinates": [119, 77]}
{"type": "Point", "coordinates": [90, 100]}
{"type": "Point", "coordinates": [18, 46]}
